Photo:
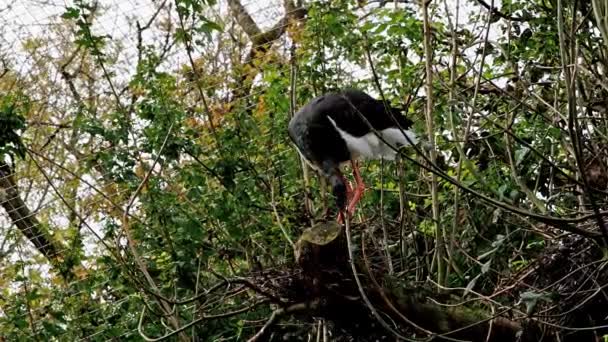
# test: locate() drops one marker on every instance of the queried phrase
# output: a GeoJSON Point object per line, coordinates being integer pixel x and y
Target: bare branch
{"type": "Point", "coordinates": [22, 217]}
{"type": "Point", "coordinates": [500, 14]}
{"type": "Point", "coordinates": [261, 41]}
{"type": "Point", "coordinates": [314, 304]}
{"type": "Point", "coordinates": [5, 68]}
{"type": "Point", "coordinates": [600, 11]}
{"type": "Point", "coordinates": [243, 18]}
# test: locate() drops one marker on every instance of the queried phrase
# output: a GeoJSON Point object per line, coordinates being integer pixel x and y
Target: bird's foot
{"type": "Point", "coordinates": [355, 199]}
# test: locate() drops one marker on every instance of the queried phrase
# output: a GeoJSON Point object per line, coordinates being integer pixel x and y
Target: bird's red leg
{"type": "Point", "coordinates": [341, 216]}
{"type": "Point", "coordinates": [358, 191]}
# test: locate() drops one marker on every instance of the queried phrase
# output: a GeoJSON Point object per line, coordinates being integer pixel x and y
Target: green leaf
{"type": "Point", "coordinates": [71, 13]}
{"type": "Point", "coordinates": [486, 254]}
{"type": "Point", "coordinates": [471, 284]}
{"type": "Point", "coordinates": [486, 267]}
{"type": "Point", "coordinates": [531, 299]}
{"type": "Point", "coordinates": [210, 26]}
{"type": "Point", "coordinates": [520, 154]}
{"type": "Point", "coordinates": [12, 123]}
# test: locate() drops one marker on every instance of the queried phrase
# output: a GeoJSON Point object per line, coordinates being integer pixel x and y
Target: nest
{"type": "Point", "coordinates": [566, 289]}
{"type": "Point", "coordinates": [563, 287]}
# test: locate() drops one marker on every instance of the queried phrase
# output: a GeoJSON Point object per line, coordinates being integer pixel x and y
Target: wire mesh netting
{"type": "Point", "coordinates": [149, 189]}
{"type": "Point", "coordinates": [62, 198]}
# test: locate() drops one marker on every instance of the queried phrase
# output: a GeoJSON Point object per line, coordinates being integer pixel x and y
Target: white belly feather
{"type": "Point", "coordinates": [370, 147]}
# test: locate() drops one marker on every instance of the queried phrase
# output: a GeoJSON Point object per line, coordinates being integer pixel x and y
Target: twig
{"type": "Point", "coordinates": [131, 242]}
{"type": "Point", "coordinates": [292, 110]}
{"type": "Point", "coordinates": [368, 303]}
{"type": "Point", "coordinates": [311, 305]}
{"type": "Point", "coordinates": [195, 70]}
{"type": "Point", "coordinates": [140, 329]}
{"type": "Point", "coordinates": [390, 304]}
{"type": "Point", "coordinates": [557, 222]}
{"type": "Point", "coordinates": [573, 129]}
{"type": "Point", "coordinates": [459, 147]}
{"type": "Point", "coordinates": [600, 11]}
{"type": "Point", "coordinates": [319, 330]}
{"type": "Point", "coordinates": [494, 10]}
{"type": "Point", "coordinates": [387, 252]}
{"type": "Point", "coordinates": [522, 185]}
{"type": "Point", "coordinates": [440, 247]}
{"type": "Point", "coordinates": [278, 218]}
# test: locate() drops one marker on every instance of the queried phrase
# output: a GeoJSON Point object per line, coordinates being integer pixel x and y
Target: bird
{"type": "Point", "coordinates": [329, 133]}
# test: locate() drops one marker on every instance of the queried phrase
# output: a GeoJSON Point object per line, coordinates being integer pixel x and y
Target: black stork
{"type": "Point", "coordinates": [329, 133]}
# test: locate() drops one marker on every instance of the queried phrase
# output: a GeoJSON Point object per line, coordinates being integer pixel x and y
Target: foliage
{"type": "Point", "coordinates": [214, 189]}
{"type": "Point", "coordinates": [12, 124]}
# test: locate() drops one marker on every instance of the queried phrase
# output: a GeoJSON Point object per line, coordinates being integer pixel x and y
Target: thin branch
{"type": "Point", "coordinates": [304, 306]}
{"type": "Point", "coordinates": [573, 128]}
{"type": "Point", "coordinates": [141, 332]}
{"type": "Point", "coordinates": [196, 72]}
{"type": "Point", "coordinates": [308, 205]}
{"type": "Point", "coordinates": [278, 218]}
{"type": "Point", "coordinates": [131, 242]}
{"type": "Point", "coordinates": [368, 303]}
{"type": "Point", "coordinates": [557, 222]}
{"type": "Point", "coordinates": [459, 147]}
{"type": "Point", "coordinates": [440, 236]}
{"type": "Point", "coordinates": [600, 11]}
{"type": "Point", "coordinates": [500, 14]}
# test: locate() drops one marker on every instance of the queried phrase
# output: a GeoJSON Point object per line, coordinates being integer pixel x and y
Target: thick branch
{"type": "Point", "coordinates": [4, 69]}
{"type": "Point", "coordinates": [243, 18]}
{"type": "Point", "coordinates": [261, 41]}
{"type": "Point", "coordinates": [22, 217]}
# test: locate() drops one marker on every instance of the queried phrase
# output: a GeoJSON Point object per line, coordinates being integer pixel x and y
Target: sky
{"type": "Point", "coordinates": [32, 18]}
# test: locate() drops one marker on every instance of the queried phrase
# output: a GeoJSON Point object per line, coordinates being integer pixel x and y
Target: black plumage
{"type": "Point", "coordinates": [329, 131]}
